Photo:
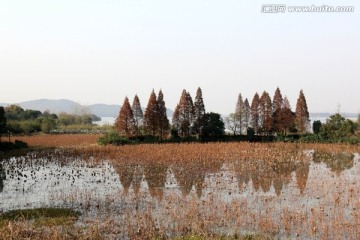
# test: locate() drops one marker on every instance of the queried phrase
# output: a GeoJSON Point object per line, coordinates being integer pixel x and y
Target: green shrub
{"type": "Point", "coordinates": [113, 138]}
{"type": "Point", "coordinates": [311, 138]}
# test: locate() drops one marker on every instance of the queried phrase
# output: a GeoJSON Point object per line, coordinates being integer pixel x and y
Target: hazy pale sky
{"type": "Point", "coordinates": [101, 51]}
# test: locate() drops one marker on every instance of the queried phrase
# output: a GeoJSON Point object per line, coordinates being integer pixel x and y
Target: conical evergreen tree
{"type": "Point", "coordinates": [239, 113]}
{"type": "Point", "coordinates": [286, 103]}
{"type": "Point", "coordinates": [176, 118]}
{"type": "Point", "coordinates": [163, 121]}
{"type": "Point", "coordinates": [125, 122]}
{"type": "Point", "coordinates": [151, 115]}
{"type": "Point", "coordinates": [186, 113]}
{"type": "Point", "coordinates": [265, 114]}
{"type": "Point", "coordinates": [247, 114]}
{"type": "Point", "coordinates": [302, 121]}
{"type": "Point", "coordinates": [254, 113]}
{"type": "Point", "coordinates": [284, 118]}
{"type": "Point", "coordinates": [277, 100]}
{"type": "Point", "coordinates": [199, 109]}
{"type": "Point", "coordinates": [138, 113]}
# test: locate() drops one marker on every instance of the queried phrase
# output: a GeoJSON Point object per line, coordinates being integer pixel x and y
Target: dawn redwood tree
{"type": "Point", "coordinates": [283, 120]}
{"type": "Point", "coordinates": [239, 112]}
{"type": "Point", "coordinates": [277, 100]}
{"type": "Point", "coordinates": [286, 103]}
{"type": "Point", "coordinates": [186, 113]}
{"type": "Point", "coordinates": [265, 113]}
{"type": "Point", "coordinates": [176, 118]}
{"type": "Point", "coordinates": [151, 115]}
{"type": "Point", "coordinates": [254, 112]}
{"type": "Point", "coordinates": [283, 117]}
{"type": "Point", "coordinates": [138, 113]}
{"type": "Point", "coordinates": [302, 120]}
{"type": "Point", "coordinates": [247, 114]}
{"type": "Point", "coordinates": [125, 122]}
{"type": "Point", "coordinates": [163, 121]}
{"type": "Point", "coordinates": [199, 110]}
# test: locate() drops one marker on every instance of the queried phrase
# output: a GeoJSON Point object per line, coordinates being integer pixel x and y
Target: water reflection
{"type": "Point", "coordinates": [337, 162]}
{"type": "Point", "coordinates": [314, 198]}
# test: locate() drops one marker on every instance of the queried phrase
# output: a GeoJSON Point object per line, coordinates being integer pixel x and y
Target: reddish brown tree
{"type": "Point", "coordinates": [163, 121]}
{"type": "Point", "coordinates": [277, 100]}
{"type": "Point", "coordinates": [302, 121]}
{"type": "Point", "coordinates": [254, 112]}
{"type": "Point", "coordinates": [138, 114]}
{"type": "Point", "coordinates": [151, 115]}
{"type": "Point", "coordinates": [176, 118]}
{"type": "Point", "coordinates": [283, 120]}
{"type": "Point", "coordinates": [186, 114]}
{"type": "Point", "coordinates": [125, 122]}
{"type": "Point", "coordinates": [283, 117]}
{"type": "Point", "coordinates": [265, 113]}
{"type": "Point", "coordinates": [199, 110]}
{"type": "Point", "coordinates": [239, 113]}
{"type": "Point", "coordinates": [247, 111]}
{"type": "Point", "coordinates": [286, 103]}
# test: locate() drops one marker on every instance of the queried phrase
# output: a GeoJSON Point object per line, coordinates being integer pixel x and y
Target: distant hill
{"type": "Point", "coordinates": [68, 106]}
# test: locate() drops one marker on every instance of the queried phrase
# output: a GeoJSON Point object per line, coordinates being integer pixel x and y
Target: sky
{"type": "Point", "coordinates": [102, 51]}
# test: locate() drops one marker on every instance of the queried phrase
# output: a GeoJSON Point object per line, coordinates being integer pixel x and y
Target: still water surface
{"type": "Point", "coordinates": [317, 199]}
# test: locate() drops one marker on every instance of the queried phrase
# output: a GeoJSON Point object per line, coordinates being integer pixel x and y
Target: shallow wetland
{"type": "Point", "coordinates": [235, 189]}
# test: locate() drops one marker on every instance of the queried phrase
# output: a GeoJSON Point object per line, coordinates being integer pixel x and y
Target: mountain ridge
{"type": "Point", "coordinates": [68, 106]}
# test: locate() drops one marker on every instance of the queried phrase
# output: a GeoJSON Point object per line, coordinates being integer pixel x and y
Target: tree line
{"type": "Point", "coordinates": [263, 117]}
{"type": "Point", "coordinates": [14, 119]}
{"type": "Point", "coordinates": [189, 118]}
{"type": "Point", "coordinates": [266, 117]}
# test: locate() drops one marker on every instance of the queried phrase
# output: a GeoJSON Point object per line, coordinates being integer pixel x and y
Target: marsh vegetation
{"type": "Point", "coordinates": [150, 191]}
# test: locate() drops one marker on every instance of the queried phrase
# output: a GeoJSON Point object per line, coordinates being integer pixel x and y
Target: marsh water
{"type": "Point", "coordinates": [292, 199]}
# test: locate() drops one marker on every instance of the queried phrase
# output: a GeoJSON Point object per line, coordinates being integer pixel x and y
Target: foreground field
{"type": "Point", "coordinates": [58, 140]}
{"type": "Point", "coordinates": [156, 191]}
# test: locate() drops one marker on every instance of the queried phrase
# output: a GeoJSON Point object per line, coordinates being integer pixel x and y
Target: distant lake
{"type": "Point", "coordinates": [105, 121]}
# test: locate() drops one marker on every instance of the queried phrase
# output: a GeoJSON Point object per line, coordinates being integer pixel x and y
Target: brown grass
{"type": "Point", "coordinates": [59, 140]}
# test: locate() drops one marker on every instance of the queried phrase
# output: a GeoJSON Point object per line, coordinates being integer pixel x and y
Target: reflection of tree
{"type": "Point", "coordinates": [266, 173]}
{"type": "Point", "coordinates": [155, 176]}
{"type": "Point", "coordinates": [126, 174]}
{"type": "Point", "coordinates": [337, 162]}
{"type": "Point", "coordinates": [188, 178]}
{"type": "Point", "coordinates": [278, 184]}
{"type": "Point", "coordinates": [2, 177]}
{"type": "Point", "coordinates": [266, 176]}
{"type": "Point", "coordinates": [282, 174]}
{"type": "Point", "coordinates": [262, 173]}
{"type": "Point", "coordinates": [137, 177]}
{"type": "Point", "coordinates": [193, 174]}
{"type": "Point", "coordinates": [302, 173]}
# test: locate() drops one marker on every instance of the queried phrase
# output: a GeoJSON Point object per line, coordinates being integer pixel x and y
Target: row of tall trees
{"type": "Point", "coordinates": [188, 116]}
{"type": "Point", "coordinates": [132, 122]}
{"type": "Point", "coordinates": [187, 119]}
{"type": "Point", "coordinates": [266, 116]}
